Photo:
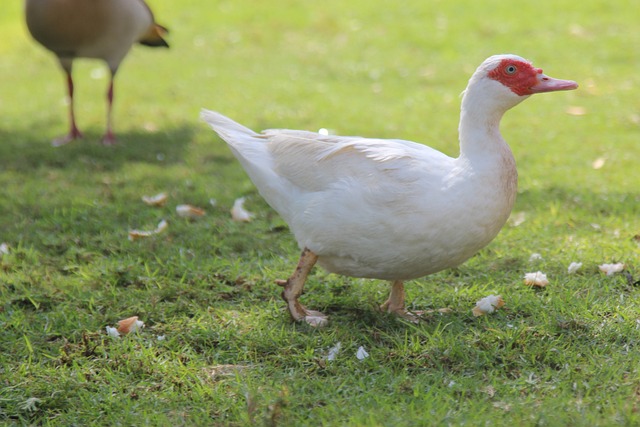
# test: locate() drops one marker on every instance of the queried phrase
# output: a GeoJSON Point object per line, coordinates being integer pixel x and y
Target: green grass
{"type": "Point", "coordinates": [565, 355]}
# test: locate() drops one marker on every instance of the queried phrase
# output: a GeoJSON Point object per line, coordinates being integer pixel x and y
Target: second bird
{"type": "Point", "coordinates": [102, 29]}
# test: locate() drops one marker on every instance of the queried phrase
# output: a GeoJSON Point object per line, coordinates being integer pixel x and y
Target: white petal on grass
{"type": "Point", "coordinates": [576, 110]}
{"type": "Point", "coordinates": [487, 305]}
{"type": "Point", "coordinates": [537, 279]}
{"type": "Point", "coordinates": [361, 354]}
{"type": "Point", "coordinates": [159, 199]}
{"type": "Point", "coordinates": [598, 163]}
{"type": "Point", "coordinates": [573, 267]}
{"type": "Point", "coordinates": [516, 218]}
{"type": "Point", "coordinates": [333, 351]}
{"type": "Point", "coordinates": [189, 211]}
{"type": "Point", "coordinates": [4, 249]}
{"type": "Point", "coordinates": [113, 332]}
{"type": "Point", "coordinates": [239, 213]}
{"type": "Point", "coordinates": [611, 269]}
{"type": "Point", "coordinates": [535, 257]}
{"type": "Point", "coordinates": [162, 225]}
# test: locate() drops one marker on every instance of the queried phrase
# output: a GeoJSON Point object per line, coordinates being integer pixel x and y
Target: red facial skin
{"type": "Point", "coordinates": [518, 76]}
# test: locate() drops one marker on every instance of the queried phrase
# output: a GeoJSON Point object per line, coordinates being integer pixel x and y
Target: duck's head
{"type": "Point", "coordinates": [507, 80]}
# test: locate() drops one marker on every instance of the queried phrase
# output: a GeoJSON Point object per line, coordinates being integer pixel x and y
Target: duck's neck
{"type": "Point", "coordinates": [479, 128]}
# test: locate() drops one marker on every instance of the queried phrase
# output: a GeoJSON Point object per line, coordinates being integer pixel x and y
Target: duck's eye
{"type": "Point", "coordinates": [511, 69]}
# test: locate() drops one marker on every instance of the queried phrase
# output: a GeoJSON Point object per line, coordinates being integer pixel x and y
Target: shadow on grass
{"type": "Point", "coordinates": [24, 150]}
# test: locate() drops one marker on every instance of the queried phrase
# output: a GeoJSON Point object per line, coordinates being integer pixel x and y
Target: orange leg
{"type": "Point", "coordinates": [395, 302]}
{"type": "Point", "coordinates": [293, 289]}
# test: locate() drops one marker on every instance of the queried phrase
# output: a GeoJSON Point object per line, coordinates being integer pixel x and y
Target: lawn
{"type": "Point", "coordinates": [218, 347]}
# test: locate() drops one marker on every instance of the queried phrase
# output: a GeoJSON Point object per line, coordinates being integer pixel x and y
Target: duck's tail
{"type": "Point", "coordinates": [252, 150]}
{"type": "Point", "coordinates": [228, 130]}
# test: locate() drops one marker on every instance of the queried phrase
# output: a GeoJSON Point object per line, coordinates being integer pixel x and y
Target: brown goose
{"type": "Point", "coordinates": [102, 29]}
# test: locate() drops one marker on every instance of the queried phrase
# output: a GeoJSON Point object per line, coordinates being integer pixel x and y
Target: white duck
{"type": "Point", "coordinates": [391, 209]}
{"type": "Point", "coordinates": [103, 29]}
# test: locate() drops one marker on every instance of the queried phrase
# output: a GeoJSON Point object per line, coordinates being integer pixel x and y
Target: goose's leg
{"type": "Point", "coordinates": [74, 132]}
{"type": "Point", "coordinates": [109, 137]}
{"type": "Point", "coordinates": [293, 289]}
{"type": "Point", "coordinates": [395, 302]}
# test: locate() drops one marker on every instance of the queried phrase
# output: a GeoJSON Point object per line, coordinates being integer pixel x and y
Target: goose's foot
{"type": "Point", "coordinates": [109, 139]}
{"type": "Point", "coordinates": [293, 289]}
{"type": "Point", "coordinates": [65, 139]}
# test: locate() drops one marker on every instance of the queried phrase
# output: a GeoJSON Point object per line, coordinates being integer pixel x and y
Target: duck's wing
{"type": "Point", "coordinates": [315, 162]}
{"type": "Point", "coordinates": [297, 171]}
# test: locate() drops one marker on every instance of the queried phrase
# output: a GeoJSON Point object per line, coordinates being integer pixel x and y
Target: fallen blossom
{"type": "Point", "coordinates": [157, 200]}
{"type": "Point", "coordinates": [535, 257]}
{"type": "Point", "coordinates": [140, 234]}
{"type": "Point", "coordinates": [517, 218]}
{"type": "Point", "coordinates": [361, 354]}
{"type": "Point", "coordinates": [537, 279]}
{"type": "Point", "coordinates": [4, 249]}
{"type": "Point", "coordinates": [333, 351]}
{"type": "Point", "coordinates": [131, 324]}
{"type": "Point", "coordinates": [487, 305]}
{"type": "Point", "coordinates": [162, 225]}
{"type": "Point", "coordinates": [598, 163]}
{"type": "Point", "coordinates": [188, 211]}
{"type": "Point", "coordinates": [611, 269]}
{"type": "Point", "coordinates": [213, 202]}
{"type": "Point", "coordinates": [576, 110]}
{"type": "Point", "coordinates": [238, 212]}
{"type": "Point", "coordinates": [113, 332]}
{"type": "Point", "coordinates": [573, 267]}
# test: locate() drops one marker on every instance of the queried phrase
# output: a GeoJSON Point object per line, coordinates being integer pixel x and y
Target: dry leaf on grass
{"type": "Point", "coordinates": [157, 200]}
{"type": "Point", "coordinates": [141, 234]}
{"type": "Point", "coordinates": [188, 211]}
{"type": "Point", "coordinates": [130, 324]}
{"type": "Point", "coordinates": [537, 279]}
{"type": "Point", "coordinates": [487, 305]}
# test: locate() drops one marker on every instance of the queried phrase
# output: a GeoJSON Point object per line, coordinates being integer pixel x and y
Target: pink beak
{"type": "Point", "coordinates": [549, 84]}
